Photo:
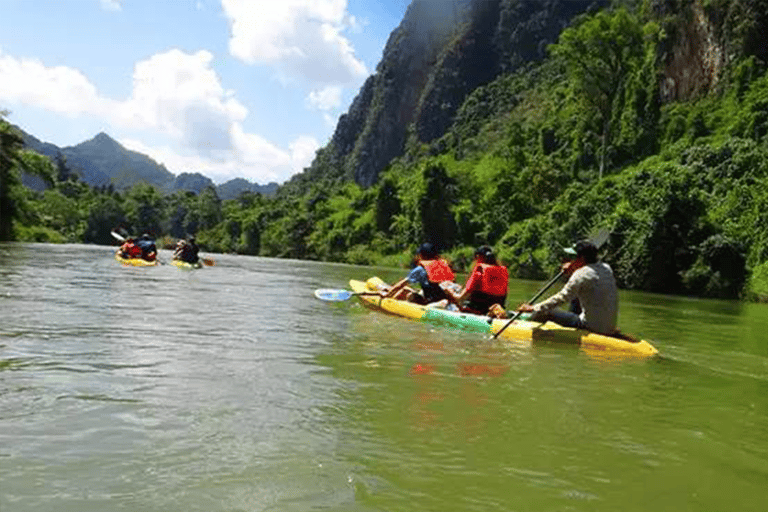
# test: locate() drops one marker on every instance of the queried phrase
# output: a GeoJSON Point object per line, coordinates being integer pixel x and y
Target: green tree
{"type": "Point", "coordinates": [104, 214]}
{"type": "Point", "coordinates": [601, 53]}
{"type": "Point", "coordinates": [437, 221]}
{"type": "Point", "coordinates": [11, 145]}
{"type": "Point", "coordinates": [13, 160]}
{"type": "Point", "coordinates": [144, 209]}
{"type": "Point", "coordinates": [209, 208]}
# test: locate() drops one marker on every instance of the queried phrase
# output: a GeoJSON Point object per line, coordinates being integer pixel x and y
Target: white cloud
{"type": "Point", "coordinates": [178, 93]}
{"type": "Point", "coordinates": [328, 98]}
{"type": "Point", "coordinates": [254, 158]}
{"type": "Point", "coordinates": [303, 152]}
{"type": "Point", "coordinates": [300, 38]}
{"type": "Point", "coordinates": [110, 5]}
{"type": "Point", "coordinates": [58, 89]}
{"type": "Point", "coordinates": [176, 96]}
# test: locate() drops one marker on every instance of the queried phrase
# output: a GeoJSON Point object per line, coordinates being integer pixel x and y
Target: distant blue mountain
{"type": "Point", "coordinates": [102, 161]}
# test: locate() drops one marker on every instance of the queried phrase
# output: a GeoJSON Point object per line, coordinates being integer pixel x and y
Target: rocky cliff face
{"type": "Point", "coordinates": [703, 37]}
{"type": "Point", "coordinates": [441, 52]}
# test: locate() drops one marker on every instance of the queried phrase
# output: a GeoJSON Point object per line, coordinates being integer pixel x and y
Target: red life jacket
{"type": "Point", "coordinates": [131, 250]}
{"type": "Point", "coordinates": [437, 270]}
{"type": "Point", "coordinates": [495, 279]}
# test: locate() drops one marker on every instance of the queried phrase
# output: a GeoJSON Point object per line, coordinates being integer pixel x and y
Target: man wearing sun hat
{"type": "Point", "coordinates": [592, 282]}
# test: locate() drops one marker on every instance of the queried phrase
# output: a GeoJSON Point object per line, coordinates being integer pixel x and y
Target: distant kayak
{"type": "Point", "coordinates": [135, 262]}
{"type": "Point", "coordinates": [521, 331]}
{"type": "Point", "coordinates": [185, 265]}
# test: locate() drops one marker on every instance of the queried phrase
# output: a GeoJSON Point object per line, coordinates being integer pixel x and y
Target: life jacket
{"type": "Point", "coordinates": [131, 250]}
{"type": "Point", "coordinates": [495, 279]}
{"type": "Point", "coordinates": [490, 289]}
{"type": "Point", "coordinates": [437, 270]}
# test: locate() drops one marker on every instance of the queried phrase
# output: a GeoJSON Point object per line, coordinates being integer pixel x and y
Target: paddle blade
{"type": "Point", "coordinates": [601, 237]}
{"type": "Point", "coordinates": [208, 261]}
{"type": "Point", "coordinates": [117, 236]}
{"type": "Point", "coordinates": [333, 295]}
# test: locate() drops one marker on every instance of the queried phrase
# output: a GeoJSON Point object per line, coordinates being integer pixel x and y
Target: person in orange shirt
{"type": "Point", "coordinates": [429, 272]}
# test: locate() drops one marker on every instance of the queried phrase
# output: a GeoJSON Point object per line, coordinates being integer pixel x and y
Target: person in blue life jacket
{"type": "Point", "coordinates": [486, 288]}
{"type": "Point", "coordinates": [591, 282]}
{"type": "Point", "coordinates": [429, 272]}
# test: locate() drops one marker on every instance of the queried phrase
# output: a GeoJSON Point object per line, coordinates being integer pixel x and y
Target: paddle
{"type": "Point", "coordinates": [598, 240]}
{"type": "Point", "coordinates": [332, 295]}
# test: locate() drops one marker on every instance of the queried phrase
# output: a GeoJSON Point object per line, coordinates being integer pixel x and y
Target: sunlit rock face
{"type": "Point", "coordinates": [440, 53]}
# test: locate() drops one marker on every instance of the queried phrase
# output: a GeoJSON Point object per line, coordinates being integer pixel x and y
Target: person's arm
{"type": "Point", "coordinates": [418, 274]}
{"type": "Point", "coordinates": [396, 287]}
{"type": "Point", "coordinates": [469, 286]}
{"type": "Point", "coordinates": [569, 291]}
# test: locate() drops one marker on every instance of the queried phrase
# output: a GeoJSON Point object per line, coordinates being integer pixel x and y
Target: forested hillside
{"type": "Point", "coordinates": [522, 124]}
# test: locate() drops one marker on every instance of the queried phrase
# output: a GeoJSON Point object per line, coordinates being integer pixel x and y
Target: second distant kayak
{"type": "Point", "coordinates": [185, 265]}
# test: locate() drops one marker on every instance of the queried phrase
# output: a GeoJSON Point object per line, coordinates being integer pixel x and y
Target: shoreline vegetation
{"type": "Point", "coordinates": [585, 139]}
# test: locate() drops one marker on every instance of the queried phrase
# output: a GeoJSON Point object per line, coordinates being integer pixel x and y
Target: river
{"type": "Point", "coordinates": [232, 388]}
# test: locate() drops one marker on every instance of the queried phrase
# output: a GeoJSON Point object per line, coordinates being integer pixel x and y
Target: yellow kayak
{"type": "Point", "coordinates": [135, 262]}
{"type": "Point", "coordinates": [521, 331]}
{"type": "Point", "coordinates": [185, 265]}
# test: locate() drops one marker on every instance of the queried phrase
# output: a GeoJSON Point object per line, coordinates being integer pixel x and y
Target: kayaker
{"type": "Point", "coordinates": [485, 287]}
{"type": "Point", "coordinates": [129, 249]}
{"type": "Point", "coordinates": [592, 282]}
{"type": "Point", "coordinates": [430, 271]}
{"type": "Point", "coordinates": [148, 248]}
{"type": "Point", "coordinates": [187, 250]}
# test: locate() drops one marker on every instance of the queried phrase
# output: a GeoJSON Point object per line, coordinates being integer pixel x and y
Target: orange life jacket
{"type": "Point", "coordinates": [437, 270]}
{"type": "Point", "coordinates": [495, 279]}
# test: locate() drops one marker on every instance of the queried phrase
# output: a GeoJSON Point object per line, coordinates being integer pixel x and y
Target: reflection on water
{"type": "Point", "coordinates": [232, 388]}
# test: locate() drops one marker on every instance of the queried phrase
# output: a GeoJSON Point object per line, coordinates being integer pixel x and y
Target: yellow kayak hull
{"type": "Point", "coordinates": [521, 331]}
{"type": "Point", "coordinates": [135, 262]}
{"type": "Point", "coordinates": [185, 265]}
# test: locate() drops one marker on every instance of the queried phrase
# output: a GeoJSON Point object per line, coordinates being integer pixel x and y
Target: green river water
{"type": "Point", "coordinates": [232, 388]}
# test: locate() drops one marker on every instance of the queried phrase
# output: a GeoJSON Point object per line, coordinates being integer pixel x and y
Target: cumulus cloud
{"type": "Point", "coordinates": [58, 89]}
{"type": "Point", "coordinates": [179, 94]}
{"type": "Point", "coordinates": [302, 39]}
{"type": "Point", "coordinates": [176, 95]}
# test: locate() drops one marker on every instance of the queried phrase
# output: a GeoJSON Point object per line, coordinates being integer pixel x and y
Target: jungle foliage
{"type": "Point", "coordinates": [534, 161]}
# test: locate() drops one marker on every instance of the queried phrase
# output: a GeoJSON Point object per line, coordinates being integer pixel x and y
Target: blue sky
{"type": "Point", "coordinates": [227, 88]}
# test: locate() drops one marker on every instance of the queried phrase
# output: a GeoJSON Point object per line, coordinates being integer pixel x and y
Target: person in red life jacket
{"type": "Point", "coordinates": [486, 286]}
{"type": "Point", "coordinates": [130, 250]}
{"type": "Point", "coordinates": [430, 270]}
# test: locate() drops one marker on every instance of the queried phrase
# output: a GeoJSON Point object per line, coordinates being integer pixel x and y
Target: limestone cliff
{"type": "Point", "coordinates": [440, 52]}
{"type": "Point", "coordinates": [703, 37]}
